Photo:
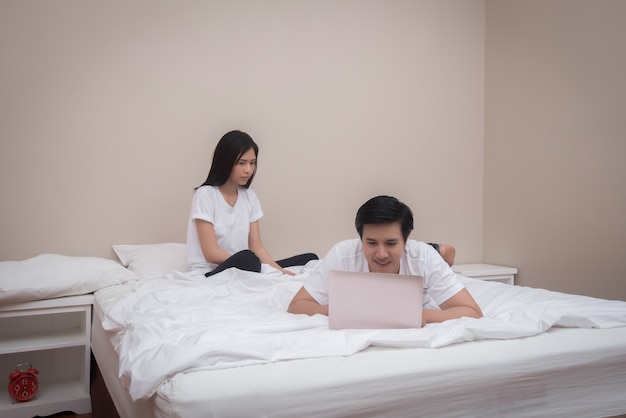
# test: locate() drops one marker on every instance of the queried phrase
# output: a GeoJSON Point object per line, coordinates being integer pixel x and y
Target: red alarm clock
{"type": "Point", "coordinates": [23, 384]}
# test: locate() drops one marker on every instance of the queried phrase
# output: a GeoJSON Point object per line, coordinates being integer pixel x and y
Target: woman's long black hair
{"type": "Point", "coordinates": [227, 152]}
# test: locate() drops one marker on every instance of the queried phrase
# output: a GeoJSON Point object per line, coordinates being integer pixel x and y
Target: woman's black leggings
{"type": "Point", "coordinates": [248, 261]}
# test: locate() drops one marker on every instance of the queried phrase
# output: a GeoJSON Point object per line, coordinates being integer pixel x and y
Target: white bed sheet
{"type": "Point", "coordinates": [102, 344]}
{"type": "Point", "coordinates": [562, 373]}
{"type": "Point", "coordinates": [559, 371]}
{"type": "Point", "coordinates": [178, 323]}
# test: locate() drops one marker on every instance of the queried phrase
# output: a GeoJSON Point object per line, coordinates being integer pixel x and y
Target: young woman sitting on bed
{"type": "Point", "coordinates": [223, 229]}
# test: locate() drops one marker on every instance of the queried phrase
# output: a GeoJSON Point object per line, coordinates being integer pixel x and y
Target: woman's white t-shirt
{"type": "Point", "coordinates": [231, 223]}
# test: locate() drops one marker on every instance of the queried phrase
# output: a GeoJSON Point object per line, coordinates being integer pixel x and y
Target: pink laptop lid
{"type": "Point", "coordinates": [374, 300]}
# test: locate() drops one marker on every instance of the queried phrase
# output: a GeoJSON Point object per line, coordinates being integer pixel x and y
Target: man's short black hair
{"type": "Point", "coordinates": [384, 209]}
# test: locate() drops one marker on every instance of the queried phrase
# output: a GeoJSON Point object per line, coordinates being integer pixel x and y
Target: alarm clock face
{"type": "Point", "coordinates": [23, 385]}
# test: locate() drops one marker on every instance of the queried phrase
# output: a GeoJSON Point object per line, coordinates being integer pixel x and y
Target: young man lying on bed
{"type": "Point", "coordinates": [384, 224]}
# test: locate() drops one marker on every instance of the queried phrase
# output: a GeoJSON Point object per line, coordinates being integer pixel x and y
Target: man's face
{"type": "Point", "coordinates": [383, 245]}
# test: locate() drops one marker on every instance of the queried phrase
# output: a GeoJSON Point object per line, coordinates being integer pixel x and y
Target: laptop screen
{"type": "Point", "coordinates": [374, 300]}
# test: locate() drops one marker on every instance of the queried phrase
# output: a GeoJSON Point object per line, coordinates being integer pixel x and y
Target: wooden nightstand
{"type": "Point", "coordinates": [54, 336]}
{"type": "Point", "coordinates": [487, 272]}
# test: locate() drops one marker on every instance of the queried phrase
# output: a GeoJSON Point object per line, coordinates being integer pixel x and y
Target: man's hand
{"type": "Point", "coordinates": [303, 303]}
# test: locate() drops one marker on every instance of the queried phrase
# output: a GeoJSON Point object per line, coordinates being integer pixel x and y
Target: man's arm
{"type": "Point", "coordinates": [303, 303]}
{"type": "Point", "coordinates": [461, 304]}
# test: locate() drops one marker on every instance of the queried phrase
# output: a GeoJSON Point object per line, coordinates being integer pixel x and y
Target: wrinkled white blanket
{"type": "Point", "coordinates": [179, 323]}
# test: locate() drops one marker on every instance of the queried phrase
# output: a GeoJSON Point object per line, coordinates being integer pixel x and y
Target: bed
{"type": "Point", "coordinates": [174, 345]}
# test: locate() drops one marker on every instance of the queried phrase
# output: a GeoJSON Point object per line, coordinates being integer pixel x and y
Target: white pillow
{"type": "Point", "coordinates": [147, 260]}
{"type": "Point", "coordinates": [49, 276]}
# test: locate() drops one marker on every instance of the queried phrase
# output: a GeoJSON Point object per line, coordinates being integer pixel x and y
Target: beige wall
{"type": "Point", "coordinates": [109, 113]}
{"type": "Point", "coordinates": [555, 143]}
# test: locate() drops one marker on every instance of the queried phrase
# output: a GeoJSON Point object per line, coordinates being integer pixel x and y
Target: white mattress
{"type": "Point", "coordinates": [561, 372]}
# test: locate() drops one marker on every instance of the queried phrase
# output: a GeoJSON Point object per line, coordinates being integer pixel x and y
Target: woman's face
{"type": "Point", "coordinates": [244, 168]}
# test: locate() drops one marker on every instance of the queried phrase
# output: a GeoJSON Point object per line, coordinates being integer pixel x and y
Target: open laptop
{"type": "Point", "coordinates": [374, 300]}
